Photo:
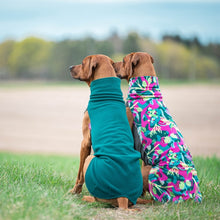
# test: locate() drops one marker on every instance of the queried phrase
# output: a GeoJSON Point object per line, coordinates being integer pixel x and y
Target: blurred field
{"type": "Point", "coordinates": [47, 119]}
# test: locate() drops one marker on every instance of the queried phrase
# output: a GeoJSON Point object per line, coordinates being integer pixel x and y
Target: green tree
{"type": "Point", "coordinates": [67, 53]}
{"type": "Point", "coordinates": [29, 58]}
{"type": "Point", "coordinates": [6, 49]}
{"type": "Point", "coordinates": [131, 43]}
{"type": "Point", "coordinates": [104, 47]}
{"type": "Point", "coordinates": [116, 42]}
{"type": "Point", "coordinates": [174, 60]}
{"type": "Point", "coordinates": [207, 68]}
{"type": "Point", "coordinates": [175, 57]}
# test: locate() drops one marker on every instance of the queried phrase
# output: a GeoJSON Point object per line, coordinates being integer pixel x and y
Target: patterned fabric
{"type": "Point", "coordinates": [173, 176]}
{"type": "Point", "coordinates": [115, 170]}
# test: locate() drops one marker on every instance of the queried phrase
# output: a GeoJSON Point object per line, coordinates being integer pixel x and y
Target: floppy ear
{"type": "Point", "coordinates": [92, 65]}
{"type": "Point", "coordinates": [111, 61]}
{"type": "Point", "coordinates": [152, 59]}
{"type": "Point", "coordinates": [134, 60]}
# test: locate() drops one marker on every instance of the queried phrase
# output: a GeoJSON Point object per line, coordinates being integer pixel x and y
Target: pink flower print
{"type": "Point", "coordinates": [162, 142]}
{"type": "Point", "coordinates": [162, 176]}
{"type": "Point", "coordinates": [146, 141]}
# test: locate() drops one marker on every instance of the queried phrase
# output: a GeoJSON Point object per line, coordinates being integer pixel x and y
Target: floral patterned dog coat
{"type": "Point", "coordinates": [173, 176]}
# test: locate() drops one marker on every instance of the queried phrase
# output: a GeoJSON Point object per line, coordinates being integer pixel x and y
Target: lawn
{"type": "Point", "coordinates": [36, 187]}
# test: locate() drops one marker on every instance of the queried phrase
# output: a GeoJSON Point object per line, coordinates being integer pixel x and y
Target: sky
{"type": "Point", "coordinates": [61, 19]}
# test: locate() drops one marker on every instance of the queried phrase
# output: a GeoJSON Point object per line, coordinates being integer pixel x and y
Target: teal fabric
{"type": "Point", "coordinates": [115, 171]}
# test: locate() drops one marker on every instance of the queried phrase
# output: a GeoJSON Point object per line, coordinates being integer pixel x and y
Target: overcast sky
{"type": "Point", "coordinates": [58, 19]}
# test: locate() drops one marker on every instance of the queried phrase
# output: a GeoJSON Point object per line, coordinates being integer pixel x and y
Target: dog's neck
{"type": "Point", "coordinates": [144, 70]}
{"type": "Point", "coordinates": [104, 71]}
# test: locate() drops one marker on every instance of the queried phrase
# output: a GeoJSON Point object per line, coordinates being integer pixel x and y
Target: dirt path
{"type": "Point", "coordinates": [48, 119]}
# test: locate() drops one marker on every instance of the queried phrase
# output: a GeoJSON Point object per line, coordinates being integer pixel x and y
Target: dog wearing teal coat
{"type": "Point", "coordinates": [113, 173]}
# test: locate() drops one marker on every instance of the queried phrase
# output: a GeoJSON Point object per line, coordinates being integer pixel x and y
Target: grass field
{"type": "Point", "coordinates": [36, 187]}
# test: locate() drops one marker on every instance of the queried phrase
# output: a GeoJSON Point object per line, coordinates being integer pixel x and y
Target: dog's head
{"type": "Point", "coordinates": [133, 65]}
{"type": "Point", "coordinates": [93, 67]}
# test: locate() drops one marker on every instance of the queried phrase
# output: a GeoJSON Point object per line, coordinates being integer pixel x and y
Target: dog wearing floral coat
{"type": "Point", "coordinates": [173, 177]}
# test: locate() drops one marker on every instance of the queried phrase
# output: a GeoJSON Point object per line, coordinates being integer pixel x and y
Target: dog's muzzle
{"type": "Point", "coordinates": [71, 67]}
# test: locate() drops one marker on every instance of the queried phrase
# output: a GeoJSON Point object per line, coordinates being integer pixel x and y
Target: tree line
{"type": "Point", "coordinates": [174, 56]}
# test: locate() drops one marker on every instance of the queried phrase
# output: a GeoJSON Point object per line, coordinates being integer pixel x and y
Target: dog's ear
{"type": "Point", "coordinates": [152, 59]}
{"type": "Point", "coordinates": [92, 66]}
{"type": "Point", "coordinates": [134, 60]}
{"type": "Point", "coordinates": [111, 61]}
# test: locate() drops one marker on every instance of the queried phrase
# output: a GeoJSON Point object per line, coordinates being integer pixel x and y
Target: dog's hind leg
{"type": "Point", "coordinates": [145, 170]}
{"type": "Point", "coordinates": [144, 201]}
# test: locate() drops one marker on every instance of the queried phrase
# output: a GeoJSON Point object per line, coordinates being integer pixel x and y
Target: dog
{"type": "Point", "coordinates": [170, 174]}
{"type": "Point", "coordinates": [113, 173]}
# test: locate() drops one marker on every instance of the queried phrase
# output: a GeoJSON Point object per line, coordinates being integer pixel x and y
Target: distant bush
{"type": "Point", "coordinates": [175, 57]}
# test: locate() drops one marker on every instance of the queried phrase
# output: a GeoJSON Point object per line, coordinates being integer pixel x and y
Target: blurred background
{"type": "Point", "coordinates": [41, 106]}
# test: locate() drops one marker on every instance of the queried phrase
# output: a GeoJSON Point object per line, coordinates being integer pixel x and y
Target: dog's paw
{"type": "Point", "coordinates": [88, 199]}
{"type": "Point", "coordinates": [77, 189]}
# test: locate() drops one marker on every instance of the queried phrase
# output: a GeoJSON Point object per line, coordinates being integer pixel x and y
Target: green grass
{"type": "Point", "coordinates": [36, 187]}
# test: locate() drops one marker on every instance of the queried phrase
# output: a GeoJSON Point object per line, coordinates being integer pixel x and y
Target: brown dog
{"type": "Point", "coordinates": [92, 68]}
{"type": "Point", "coordinates": [85, 72]}
{"type": "Point", "coordinates": [163, 146]}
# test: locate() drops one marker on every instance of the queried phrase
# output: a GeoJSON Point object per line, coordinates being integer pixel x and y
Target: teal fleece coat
{"type": "Point", "coordinates": [115, 170]}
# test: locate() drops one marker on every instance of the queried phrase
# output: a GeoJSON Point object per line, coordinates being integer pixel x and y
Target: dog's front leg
{"type": "Point", "coordinates": [84, 153]}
